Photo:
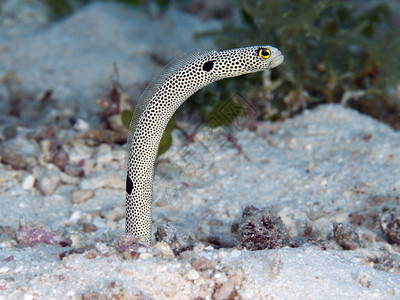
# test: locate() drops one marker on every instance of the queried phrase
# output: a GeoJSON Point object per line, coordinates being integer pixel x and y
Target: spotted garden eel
{"type": "Point", "coordinates": [178, 80]}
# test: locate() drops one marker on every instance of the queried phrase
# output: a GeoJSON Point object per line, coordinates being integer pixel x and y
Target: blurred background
{"type": "Point", "coordinates": [83, 63]}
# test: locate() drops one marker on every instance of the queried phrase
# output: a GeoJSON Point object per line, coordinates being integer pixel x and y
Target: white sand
{"type": "Point", "coordinates": [330, 136]}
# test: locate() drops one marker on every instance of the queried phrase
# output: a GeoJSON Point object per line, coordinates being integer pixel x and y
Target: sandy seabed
{"type": "Point", "coordinates": [325, 166]}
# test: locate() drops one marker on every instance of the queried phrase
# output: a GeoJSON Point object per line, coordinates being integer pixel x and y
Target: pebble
{"type": "Point", "coordinates": [77, 241]}
{"type": "Point", "coordinates": [45, 146]}
{"type": "Point", "coordinates": [48, 180]}
{"type": "Point", "coordinates": [145, 255]}
{"type": "Point", "coordinates": [193, 275]}
{"type": "Point", "coordinates": [390, 224]}
{"type": "Point", "coordinates": [11, 157]}
{"type": "Point", "coordinates": [4, 270]}
{"type": "Point", "coordinates": [80, 152]}
{"type": "Point", "coordinates": [68, 179]}
{"type": "Point", "coordinates": [89, 227]}
{"type": "Point", "coordinates": [203, 264]}
{"type": "Point", "coordinates": [124, 242]}
{"type": "Point", "coordinates": [227, 285]}
{"type": "Point", "coordinates": [81, 125]}
{"type": "Point", "coordinates": [80, 196]}
{"type": "Point", "coordinates": [106, 180]}
{"type": "Point", "coordinates": [28, 182]}
{"type": "Point", "coordinates": [76, 216]}
{"type": "Point", "coordinates": [104, 155]}
{"type": "Point", "coordinates": [345, 236]}
{"type": "Point", "coordinates": [116, 124]}
{"type": "Point", "coordinates": [164, 249]}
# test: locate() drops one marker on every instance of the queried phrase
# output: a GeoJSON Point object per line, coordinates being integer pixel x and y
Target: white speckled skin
{"type": "Point", "coordinates": [178, 82]}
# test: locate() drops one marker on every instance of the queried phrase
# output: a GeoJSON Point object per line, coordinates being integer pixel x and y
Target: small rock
{"type": "Point", "coordinates": [105, 180]}
{"type": "Point", "coordinates": [10, 157]}
{"type": "Point", "coordinates": [68, 179]}
{"type": "Point", "coordinates": [145, 255]}
{"type": "Point", "coordinates": [125, 241]}
{"type": "Point", "coordinates": [80, 151]}
{"type": "Point", "coordinates": [390, 225]}
{"type": "Point", "coordinates": [116, 123]}
{"type": "Point", "coordinates": [227, 290]}
{"type": "Point", "coordinates": [53, 152]}
{"type": "Point", "coordinates": [28, 182]}
{"type": "Point", "coordinates": [60, 158]}
{"type": "Point", "coordinates": [200, 247]}
{"type": "Point", "coordinates": [48, 180]}
{"type": "Point", "coordinates": [45, 146]}
{"type": "Point", "coordinates": [164, 250]}
{"type": "Point", "coordinates": [61, 277]}
{"type": "Point", "coordinates": [77, 241]}
{"type": "Point", "coordinates": [74, 171]}
{"type": "Point", "coordinates": [104, 155]}
{"type": "Point", "coordinates": [89, 227]}
{"type": "Point", "coordinates": [95, 137]}
{"type": "Point", "coordinates": [30, 235]}
{"type": "Point", "coordinates": [220, 278]}
{"type": "Point", "coordinates": [203, 264]}
{"type": "Point", "coordinates": [167, 233]}
{"type": "Point", "coordinates": [193, 275]}
{"type": "Point", "coordinates": [261, 229]}
{"type": "Point", "coordinates": [81, 125]}
{"type": "Point", "coordinates": [80, 196]}
{"type": "Point", "coordinates": [130, 247]}
{"type": "Point", "coordinates": [4, 270]}
{"type": "Point", "coordinates": [9, 258]}
{"type": "Point", "coordinates": [346, 237]}
{"type": "Point", "coordinates": [130, 254]}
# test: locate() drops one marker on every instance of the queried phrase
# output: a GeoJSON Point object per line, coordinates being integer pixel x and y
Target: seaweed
{"type": "Point", "coordinates": [335, 51]}
{"type": "Point", "coordinates": [59, 8]}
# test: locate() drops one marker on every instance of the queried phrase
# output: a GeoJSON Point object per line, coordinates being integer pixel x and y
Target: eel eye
{"type": "Point", "coordinates": [264, 52]}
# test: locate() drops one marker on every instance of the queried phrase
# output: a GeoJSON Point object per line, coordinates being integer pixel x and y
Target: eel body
{"type": "Point", "coordinates": [177, 82]}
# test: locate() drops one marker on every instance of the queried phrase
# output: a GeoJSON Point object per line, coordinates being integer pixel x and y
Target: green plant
{"type": "Point", "coordinates": [331, 48]}
{"type": "Point", "coordinates": [59, 8]}
{"type": "Point", "coordinates": [332, 54]}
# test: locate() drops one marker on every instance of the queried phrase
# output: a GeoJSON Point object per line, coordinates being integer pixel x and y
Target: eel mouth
{"type": "Point", "coordinates": [276, 61]}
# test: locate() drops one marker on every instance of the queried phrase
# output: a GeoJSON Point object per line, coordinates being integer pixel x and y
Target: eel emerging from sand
{"type": "Point", "coordinates": [177, 82]}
